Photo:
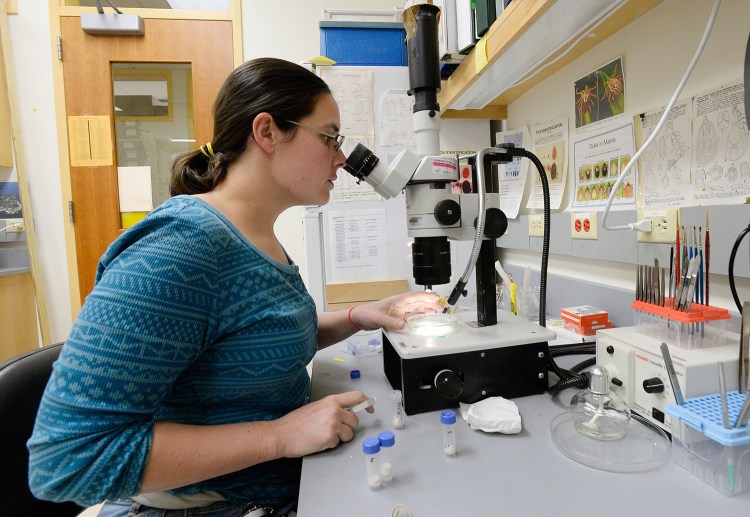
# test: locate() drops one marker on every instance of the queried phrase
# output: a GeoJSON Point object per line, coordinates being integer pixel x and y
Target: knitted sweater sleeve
{"type": "Point", "coordinates": [148, 318]}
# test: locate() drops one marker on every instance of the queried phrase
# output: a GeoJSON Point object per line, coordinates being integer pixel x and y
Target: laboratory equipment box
{"type": "Point", "coordinates": [638, 371]}
{"type": "Point", "coordinates": [702, 445]}
{"type": "Point", "coordinates": [469, 364]}
{"type": "Point", "coordinates": [364, 43]}
{"type": "Point", "coordinates": [702, 326]}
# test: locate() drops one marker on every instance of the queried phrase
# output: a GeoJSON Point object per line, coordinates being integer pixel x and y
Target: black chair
{"type": "Point", "coordinates": [22, 382]}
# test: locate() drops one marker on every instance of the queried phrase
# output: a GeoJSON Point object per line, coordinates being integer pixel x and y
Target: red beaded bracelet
{"type": "Point", "coordinates": [349, 317]}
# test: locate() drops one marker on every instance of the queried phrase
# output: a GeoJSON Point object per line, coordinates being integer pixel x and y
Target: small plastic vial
{"type": "Point", "coordinates": [448, 421]}
{"type": "Point", "coordinates": [387, 440]}
{"type": "Point", "coordinates": [398, 410]}
{"type": "Point", "coordinates": [371, 448]}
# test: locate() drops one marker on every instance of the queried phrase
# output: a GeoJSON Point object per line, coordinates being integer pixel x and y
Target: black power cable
{"type": "Point", "coordinates": [588, 347]}
{"type": "Point", "coordinates": [736, 246]}
{"type": "Point", "coordinates": [568, 377]}
{"type": "Point", "coordinates": [576, 380]}
{"type": "Point", "coordinates": [565, 375]}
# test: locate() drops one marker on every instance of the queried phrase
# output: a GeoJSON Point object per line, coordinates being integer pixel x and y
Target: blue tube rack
{"type": "Point", "coordinates": [702, 445]}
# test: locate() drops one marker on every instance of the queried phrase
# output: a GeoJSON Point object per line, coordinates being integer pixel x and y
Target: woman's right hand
{"type": "Point", "coordinates": [318, 426]}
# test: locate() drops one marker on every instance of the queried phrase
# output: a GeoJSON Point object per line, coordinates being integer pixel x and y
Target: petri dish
{"type": "Point", "coordinates": [436, 324]}
{"type": "Point", "coordinates": [642, 448]}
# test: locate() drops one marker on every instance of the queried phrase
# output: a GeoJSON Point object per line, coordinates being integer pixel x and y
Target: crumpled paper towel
{"type": "Point", "coordinates": [493, 415]}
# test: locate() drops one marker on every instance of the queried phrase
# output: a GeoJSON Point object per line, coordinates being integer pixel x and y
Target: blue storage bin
{"type": "Point", "coordinates": [364, 43]}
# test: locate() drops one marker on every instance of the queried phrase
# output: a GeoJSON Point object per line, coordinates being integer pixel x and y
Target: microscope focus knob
{"type": "Point", "coordinates": [449, 384]}
{"type": "Point", "coordinates": [495, 223]}
{"type": "Point", "coordinates": [447, 212]}
{"type": "Point", "coordinates": [653, 385]}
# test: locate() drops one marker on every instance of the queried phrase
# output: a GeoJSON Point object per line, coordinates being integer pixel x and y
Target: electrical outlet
{"type": "Point", "coordinates": [14, 226]}
{"type": "Point", "coordinates": [536, 225]}
{"type": "Point", "coordinates": [663, 224]}
{"type": "Point", "coordinates": [583, 225]}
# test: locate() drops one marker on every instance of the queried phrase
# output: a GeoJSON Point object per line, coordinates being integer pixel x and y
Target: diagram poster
{"type": "Point", "coordinates": [600, 159]}
{"type": "Point", "coordinates": [549, 143]}
{"type": "Point", "coordinates": [721, 160]}
{"type": "Point", "coordinates": [512, 176]}
{"type": "Point", "coordinates": [665, 174]}
{"type": "Point", "coordinates": [600, 95]}
{"type": "Point", "coordinates": [396, 108]}
{"type": "Point", "coordinates": [353, 91]}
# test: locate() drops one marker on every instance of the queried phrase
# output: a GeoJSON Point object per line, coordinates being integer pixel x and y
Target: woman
{"type": "Point", "coordinates": [183, 381]}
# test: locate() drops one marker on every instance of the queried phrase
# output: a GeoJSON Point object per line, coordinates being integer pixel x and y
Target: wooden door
{"type": "Point", "coordinates": [87, 70]}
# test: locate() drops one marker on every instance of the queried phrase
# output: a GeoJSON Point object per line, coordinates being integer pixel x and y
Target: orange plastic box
{"type": "Point", "coordinates": [586, 331]}
{"type": "Point", "coordinates": [584, 315]}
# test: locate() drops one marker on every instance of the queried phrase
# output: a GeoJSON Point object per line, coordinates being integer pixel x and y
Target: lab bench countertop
{"type": "Point", "coordinates": [492, 474]}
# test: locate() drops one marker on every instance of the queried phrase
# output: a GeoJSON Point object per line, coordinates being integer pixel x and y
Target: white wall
{"type": "Point", "coordinates": [31, 46]}
{"type": "Point", "coordinates": [288, 29]}
{"type": "Point", "coordinates": [656, 50]}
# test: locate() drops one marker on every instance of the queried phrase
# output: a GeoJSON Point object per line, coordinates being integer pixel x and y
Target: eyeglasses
{"type": "Point", "coordinates": [338, 140]}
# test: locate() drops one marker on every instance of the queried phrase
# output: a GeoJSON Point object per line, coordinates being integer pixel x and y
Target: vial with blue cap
{"type": "Point", "coordinates": [355, 374]}
{"type": "Point", "coordinates": [387, 441]}
{"type": "Point", "coordinates": [448, 421]}
{"type": "Point", "coordinates": [371, 448]}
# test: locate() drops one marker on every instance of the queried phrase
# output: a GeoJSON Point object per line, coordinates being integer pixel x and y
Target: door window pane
{"type": "Point", "coordinates": [153, 124]}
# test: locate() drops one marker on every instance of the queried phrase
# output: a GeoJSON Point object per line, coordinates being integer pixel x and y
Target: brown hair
{"type": "Point", "coordinates": [284, 90]}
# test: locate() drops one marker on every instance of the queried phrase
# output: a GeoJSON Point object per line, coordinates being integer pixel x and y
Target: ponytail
{"type": "Point", "coordinates": [195, 173]}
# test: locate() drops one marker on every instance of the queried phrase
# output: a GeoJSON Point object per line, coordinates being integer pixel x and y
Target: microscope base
{"type": "Point", "coordinates": [495, 362]}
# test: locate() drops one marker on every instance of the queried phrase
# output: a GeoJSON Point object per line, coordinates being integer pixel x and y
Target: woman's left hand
{"type": "Point", "coordinates": [391, 313]}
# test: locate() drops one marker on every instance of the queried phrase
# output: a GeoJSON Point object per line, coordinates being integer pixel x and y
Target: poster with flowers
{"type": "Point", "coordinates": [600, 95]}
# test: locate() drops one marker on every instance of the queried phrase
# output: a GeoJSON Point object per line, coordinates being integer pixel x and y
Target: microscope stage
{"type": "Point", "coordinates": [510, 331]}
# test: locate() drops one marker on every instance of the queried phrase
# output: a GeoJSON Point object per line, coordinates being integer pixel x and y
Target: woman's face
{"type": "Point", "coordinates": [310, 159]}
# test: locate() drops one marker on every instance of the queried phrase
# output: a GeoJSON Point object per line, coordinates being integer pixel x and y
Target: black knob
{"type": "Point", "coordinates": [447, 212]}
{"type": "Point", "coordinates": [495, 223]}
{"type": "Point", "coordinates": [449, 384]}
{"type": "Point", "coordinates": [653, 385]}
{"type": "Point", "coordinates": [616, 381]}
{"type": "Point", "coordinates": [610, 350]}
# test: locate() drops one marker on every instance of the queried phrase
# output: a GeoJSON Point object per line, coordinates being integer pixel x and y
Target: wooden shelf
{"type": "Point", "coordinates": [514, 22]}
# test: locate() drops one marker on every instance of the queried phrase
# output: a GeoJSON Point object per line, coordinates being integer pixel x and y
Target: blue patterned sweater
{"type": "Point", "coordinates": [188, 322]}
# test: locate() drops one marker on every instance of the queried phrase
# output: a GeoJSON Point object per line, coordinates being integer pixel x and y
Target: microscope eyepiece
{"type": "Point", "coordinates": [361, 162]}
